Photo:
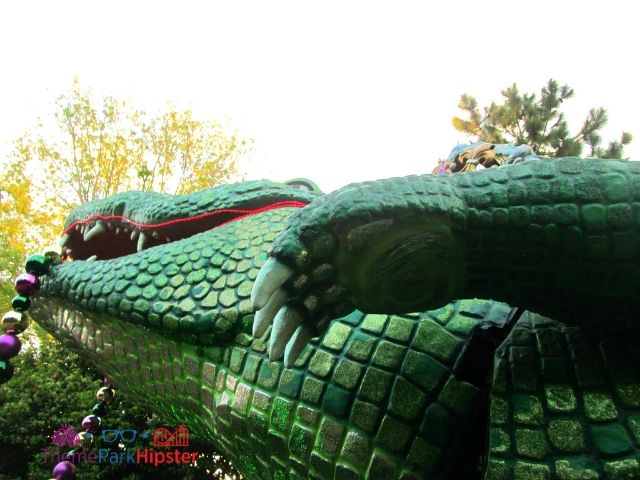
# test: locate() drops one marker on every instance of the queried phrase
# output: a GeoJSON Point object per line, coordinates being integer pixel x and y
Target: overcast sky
{"type": "Point", "coordinates": [334, 91]}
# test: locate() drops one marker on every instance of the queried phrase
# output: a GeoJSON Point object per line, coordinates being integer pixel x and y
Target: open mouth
{"type": "Point", "coordinates": [103, 237]}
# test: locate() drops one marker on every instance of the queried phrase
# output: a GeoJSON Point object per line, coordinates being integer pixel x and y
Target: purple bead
{"type": "Point", "coordinates": [27, 284]}
{"type": "Point", "coordinates": [9, 346]}
{"type": "Point", "coordinates": [64, 471]}
{"type": "Point", "coordinates": [90, 423]}
{"type": "Point", "coordinates": [107, 383]}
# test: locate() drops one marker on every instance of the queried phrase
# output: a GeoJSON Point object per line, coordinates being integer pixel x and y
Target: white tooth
{"type": "Point", "coordinates": [168, 239]}
{"type": "Point", "coordinates": [272, 276]}
{"type": "Point", "coordinates": [92, 258]}
{"type": "Point", "coordinates": [134, 234]}
{"type": "Point", "coordinates": [296, 345]}
{"type": "Point", "coordinates": [142, 239]}
{"type": "Point", "coordinates": [284, 325]}
{"type": "Point", "coordinates": [97, 229]}
{"type": "Point", "coordinates": [63, 240]}
{"type": "Point", "coordinates": [265, 315]}
{"type": "Point", "coordinates": [109, 226]}
{"type": "Point", "coordinates": [155, 234]}
{"type": "Point", "coordinates": [118, 230]}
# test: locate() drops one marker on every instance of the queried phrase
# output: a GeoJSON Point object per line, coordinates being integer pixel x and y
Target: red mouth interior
{"type": "Point", "coordinates": [116, 240]}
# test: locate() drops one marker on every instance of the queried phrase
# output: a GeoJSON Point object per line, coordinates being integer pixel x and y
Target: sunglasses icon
{"type": "Point", "coordinates": [127, 436]}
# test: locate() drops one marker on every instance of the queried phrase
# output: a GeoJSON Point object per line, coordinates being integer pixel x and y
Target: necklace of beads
{"type": "Point", "coordinates": [14, 323]}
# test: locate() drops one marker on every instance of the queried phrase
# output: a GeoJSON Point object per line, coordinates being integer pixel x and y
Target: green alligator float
{"type": "Point", "coordinates": [239, 311]}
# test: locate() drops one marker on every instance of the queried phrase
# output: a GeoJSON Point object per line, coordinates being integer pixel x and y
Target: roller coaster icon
{"type": "Point", "coordinates": [163, 437]}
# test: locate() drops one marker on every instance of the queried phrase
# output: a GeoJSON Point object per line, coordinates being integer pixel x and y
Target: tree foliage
{"type": "Point", "coordinates": [525, 118]}
{"type": "Point", "coordinates": [104, 146]}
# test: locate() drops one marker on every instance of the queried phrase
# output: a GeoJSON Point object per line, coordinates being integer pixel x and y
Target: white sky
{"type": "Point", "coordinates": [333, 91]}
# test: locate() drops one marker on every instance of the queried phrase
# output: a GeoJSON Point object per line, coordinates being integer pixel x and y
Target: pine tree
{"type": "Point", "coordinates": [537, 121]}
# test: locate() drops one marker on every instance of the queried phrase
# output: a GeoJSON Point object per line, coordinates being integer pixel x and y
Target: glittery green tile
{"type": "Point", "coordinates": [531, 471]}
{"type": "Point", "coordinates": [321, 363]}
{"type": "Point", "coordinates": [375, 385]}
{"type": "Point", "coordinates": [374, 323]}
{"type": "Point", "coordinates": [457, 396]}
{"type": "Point", "coordinates": [301, 441]}
{"type": "Point", "coordinates": [251, 367]}
{"type": "Point", "coordinates": [599, 407]}
{"type": "Point", "coordinates": [629, 392]}
{"type": "Point", "coordinates": [336, 336]}
{"type": "Point", "coordinates": [531, 443]}
{"type": "Point", "coordinates": [393, 434]}
{"type": "Point", "coordinates": [497, 470]}
{"type": "Point", "coordinates": [311, 390]}
{"type": "Point", "coordinates": [406, 400]}
{"type": "Point", "coordinates": [382, 466]}
{"type": "Point", "coordinates": [268, 376]}
{"type": "Point", "coordinates": [566, 435]}
{"type": "Point", "coordinates": [500, 374]}
{"type": "Point", "coordinates": [560, 398]}
{"type": "Point", "coordinates": [423, 370]}
{"type": "Point", "coordinates": [423, 455]}
{"type": "Point", "coordinates": [321, 466]}
{"type": "Point", "coordinates": [365, 415]}
{"type": "Point", "coordinates": [438, 424]}
{"type": "Point", "coordinates": [237, 359]}
{"type": "Point", "coordinates": [634, 426]}
{"type": "Point", "coordinates": [523, 355]}
{"type": "Point", "coordinates": [594, 216]}
{"type": "Point", "coordinates": [356, 449]}
{"type": "Point", "coordinates": [611, 439]}
{"type": "Point", "coordinates": [290, 382]}
{"type": "Point", "coordinates": [499, 410]}
{"type": "Point", "coordinates": [500, 442]}
{"type": "Point", "coordinates": [306, 415]}
{"type": "Point", "coordinates": [524, 378]}
{"type": "Point", "coordinates": [360, 346]}
{"type": "Point", "coordinates": [329, 439]}
{"type": "Point", "coordinates": [434, 340]}
{"type": "Point", "coordinates": [400, 329]}
{"type": "Point", "coordinates": [622, 469]}
{"type": "Point", "coordinates": [527, 410]}
{"type": "Point", "coordinates": [345, 472]}
{"type": "Point", "coordinates": [576, 468]}
{"type": "Point", "coordinates": [388, 355]}
{"type": "Point", "coordinates": [461, 324]}
{"type": "Point", "coordinates": [347, 373]}
{"type": "Point", "coordinates": [336, 401]}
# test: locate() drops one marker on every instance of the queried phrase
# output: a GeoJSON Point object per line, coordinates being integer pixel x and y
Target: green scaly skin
{"type": "Point", "coordinates": [389, 394]}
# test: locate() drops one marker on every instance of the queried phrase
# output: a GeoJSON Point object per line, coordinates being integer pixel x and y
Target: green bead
{"type": "Point", "coordinates": [37, 265]}
{"type": "Point", "coordinates": [99, 410]}
{"type": "Point", "coordinates": [15, 321]}
{"type": "Point", "coordinates": [20, 303]}
{"type": "Point", "coordinates": [6, 371]}
{"type": "Point", "coordinates": [53, 256]}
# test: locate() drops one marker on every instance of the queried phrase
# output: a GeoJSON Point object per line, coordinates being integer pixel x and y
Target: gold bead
{"type": "Point", "coordinates": [84, 440]}
{"type": "Point", "coordinates": [15, 321]}
{"type": "Point", "coordinates": [105, 394]}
